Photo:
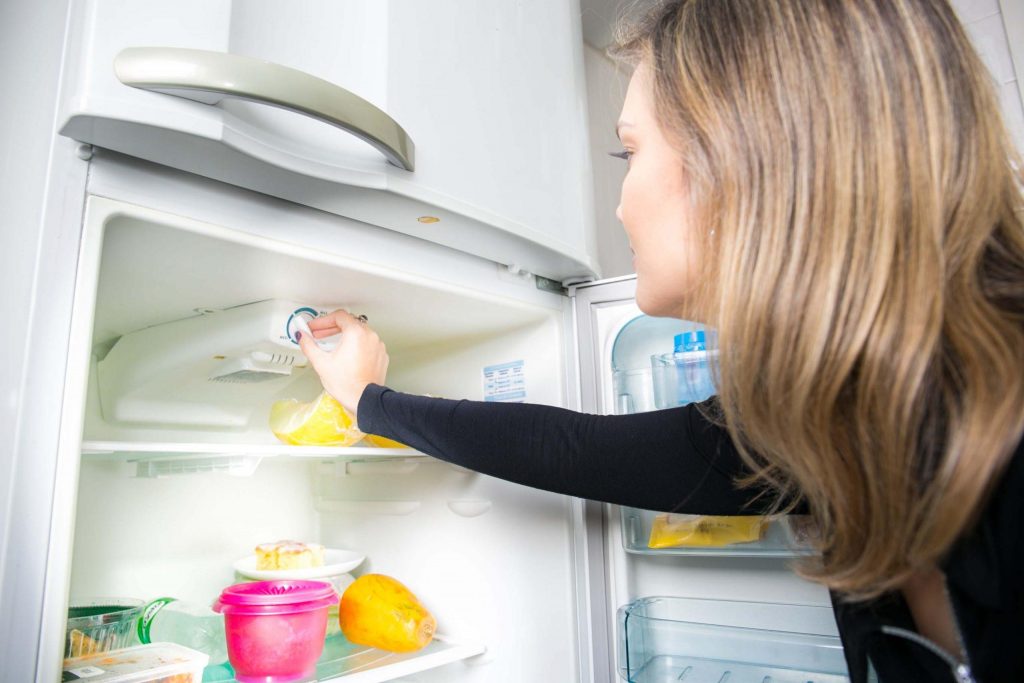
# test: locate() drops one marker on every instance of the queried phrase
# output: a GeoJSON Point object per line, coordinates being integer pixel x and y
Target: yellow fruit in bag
{"type": "Point", "coordinates": [384, 442]}
{"type": "Point", "coordinates": [321, 422]}
{"type": "Point", "coordinates": [378, 611]}
{"type": "Point", "coordinates": [681, 531]}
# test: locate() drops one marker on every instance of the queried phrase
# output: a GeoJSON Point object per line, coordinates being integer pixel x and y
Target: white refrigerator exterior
{"type": "Point", "coordinates": [418, 117]}
{"type": "Point", "coordinates": [103, 245]}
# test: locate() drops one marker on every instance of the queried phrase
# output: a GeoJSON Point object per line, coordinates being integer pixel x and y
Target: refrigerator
{"type": "Point", "coordinates": [174, 236]}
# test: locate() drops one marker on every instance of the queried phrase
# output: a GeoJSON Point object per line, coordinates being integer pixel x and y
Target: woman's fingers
{"type": "Point", "coordinates": [360, 357]}
{"type": "Point", "coordinates": [317, 357]}
{"type": "Point", "coordinates": [333, 323]}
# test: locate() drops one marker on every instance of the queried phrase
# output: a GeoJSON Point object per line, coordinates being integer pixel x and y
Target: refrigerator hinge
{"type": "Point", "coordinates": [549, 285]}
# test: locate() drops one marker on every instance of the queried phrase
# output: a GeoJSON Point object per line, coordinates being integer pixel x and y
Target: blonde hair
{"type": "Point", "coordinates": [866, 262]}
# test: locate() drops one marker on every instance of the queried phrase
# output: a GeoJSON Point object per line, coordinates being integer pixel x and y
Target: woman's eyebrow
{"type": "Point", "coordinates": [619, 126]}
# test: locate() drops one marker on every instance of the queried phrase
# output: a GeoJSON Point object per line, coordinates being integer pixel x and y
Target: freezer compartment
{"type": "Point", "coordinates": [700, 641]}
{"type": "Point", "coordinates": [192, 337]}
{"type": "Point", "coordinates": [783, 537]}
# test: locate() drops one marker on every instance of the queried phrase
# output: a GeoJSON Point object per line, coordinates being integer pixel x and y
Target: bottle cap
{"type": "Point", "coordinates": [690, 341]}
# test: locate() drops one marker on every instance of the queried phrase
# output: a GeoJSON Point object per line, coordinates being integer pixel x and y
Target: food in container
{"type": "Point", "coordinates": [155, 663]}
{"type": "Point", "coordinates": [379, 611]}
{"type": "Point", "coordinates": [289, 555]}
{"type": "Point", "coordinates": [100, 624]}
{"type": "Point", "coordinates": [678, 530]}
{"type": "Point", "coordinates": [275, 629]}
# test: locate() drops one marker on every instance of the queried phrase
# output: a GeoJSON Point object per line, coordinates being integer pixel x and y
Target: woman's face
{"type": "Point", "coordinates": [654, 208]}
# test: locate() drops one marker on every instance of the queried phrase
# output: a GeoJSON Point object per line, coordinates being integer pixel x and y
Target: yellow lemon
{"type": "Point", "coordinates": [321, 422]}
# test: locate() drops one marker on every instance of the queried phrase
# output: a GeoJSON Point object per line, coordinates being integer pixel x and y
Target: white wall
{"type": "Point", "coordinates": [606, 88]}
{"type": "Point", "coordinates": [984, 22]}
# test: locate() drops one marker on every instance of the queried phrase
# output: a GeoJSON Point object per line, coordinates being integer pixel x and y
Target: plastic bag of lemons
{"type": "Point", "coordinates": [680, 531]}
{"type": "Point", "coordinates": [320, 422]}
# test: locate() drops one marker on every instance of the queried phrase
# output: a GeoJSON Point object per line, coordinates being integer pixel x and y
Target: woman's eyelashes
{"type": "Point", "coordinates": [626, 155]}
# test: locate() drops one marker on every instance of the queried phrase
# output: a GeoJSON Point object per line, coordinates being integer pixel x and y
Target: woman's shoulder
{"type": "Point", "coordinates": [987, 563]}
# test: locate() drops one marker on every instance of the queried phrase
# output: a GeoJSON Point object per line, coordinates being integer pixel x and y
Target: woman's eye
{"type": "Point", "coordinates": [624, 154]}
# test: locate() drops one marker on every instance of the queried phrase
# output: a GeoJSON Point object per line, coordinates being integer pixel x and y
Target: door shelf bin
{"type": "Point", "coordinates": [664, 639]}
{"type": "Point", "coordinates": [782, 537]}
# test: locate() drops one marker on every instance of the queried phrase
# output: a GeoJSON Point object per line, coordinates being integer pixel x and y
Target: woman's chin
{"type": "Point", "coordinates": [656, 308]}
{"type": "Point", "coordinates": [665, 308]}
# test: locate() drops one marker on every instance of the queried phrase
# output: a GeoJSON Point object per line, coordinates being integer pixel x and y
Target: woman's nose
{"type": "Point", "coordinates": [618, 212]}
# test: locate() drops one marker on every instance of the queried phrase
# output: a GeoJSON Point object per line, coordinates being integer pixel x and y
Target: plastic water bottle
{"type": "Point", "coordinates": [195, 626]}
{"type": "Point", "coordinates": [690, 341]}
{"type": "Point", "coordinates": [693, 364]}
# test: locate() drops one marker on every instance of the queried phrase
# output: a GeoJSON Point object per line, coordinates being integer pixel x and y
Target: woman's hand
{"type": "Point", "coordinates": [359, 359]}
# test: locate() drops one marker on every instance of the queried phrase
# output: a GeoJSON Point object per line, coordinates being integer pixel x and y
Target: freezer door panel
{"type": "Point", "coordinates": [403, 115]}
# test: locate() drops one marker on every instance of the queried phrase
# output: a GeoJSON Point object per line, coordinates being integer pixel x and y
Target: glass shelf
{"type": "Point", "coordinates": [664, 639]}
{"type": "Point", "coordinates": [785, 537]}
{"type": "Point", "coordinates": [160, 459]}
{"type": "Point", "coordinates": [158, 449]}
{"type": "Point", "coordinates": [344, 661]}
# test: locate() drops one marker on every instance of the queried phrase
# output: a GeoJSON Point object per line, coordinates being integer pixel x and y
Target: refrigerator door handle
{"type": "Point", "coordinates": [208, 77]}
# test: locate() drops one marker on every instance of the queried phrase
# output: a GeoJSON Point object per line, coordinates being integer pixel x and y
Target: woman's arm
{"type": "Point", "coordinates": [667, 460]}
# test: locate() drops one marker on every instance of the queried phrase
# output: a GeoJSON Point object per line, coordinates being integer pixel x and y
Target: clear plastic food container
{"type": "Point", "coordinates": [98, 625]}
{"type": "Point", "coordinates": [664, 639]}
{"type": "Point", "coordinates": [155, 663]}
{"type": "Point", "coordinates": [682, 377]}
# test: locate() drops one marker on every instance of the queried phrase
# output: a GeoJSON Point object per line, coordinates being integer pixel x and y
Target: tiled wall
{"type": "Point", "coordinates": [984, 22]}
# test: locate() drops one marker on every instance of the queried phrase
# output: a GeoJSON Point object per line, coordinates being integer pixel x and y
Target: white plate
{"type": "Point", "coordinates": [336, 562]}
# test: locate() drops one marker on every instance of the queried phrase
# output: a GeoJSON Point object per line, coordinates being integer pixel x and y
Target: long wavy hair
{"type": "Point", "coordinates": [865, 261]}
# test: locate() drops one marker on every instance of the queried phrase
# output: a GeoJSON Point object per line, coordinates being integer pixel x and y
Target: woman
{"type": "Point", "coordinates": [829, 184]}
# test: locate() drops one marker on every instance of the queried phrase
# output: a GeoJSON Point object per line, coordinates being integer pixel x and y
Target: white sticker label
{"type": "Point", "coordinates": [505, 382]}
{"type": "Point", "coordinates": [87, 671]}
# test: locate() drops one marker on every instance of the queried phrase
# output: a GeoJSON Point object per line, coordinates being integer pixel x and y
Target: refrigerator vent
{"type": "Point", "coordinates": [232, 465]}
{"type": "Point", "coordinates": [249, 371]}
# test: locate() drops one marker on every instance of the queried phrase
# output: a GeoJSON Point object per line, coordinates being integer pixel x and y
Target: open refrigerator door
{"type": "Point", "coordinates": [688, 597]}
{"type": "Point", "coordinates": [183, 339]}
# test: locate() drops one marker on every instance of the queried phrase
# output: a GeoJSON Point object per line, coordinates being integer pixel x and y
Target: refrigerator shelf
{"type": "Point", "coordinates": [782, 538]}
{"type": "Point", "coordinates": [345, 662]}
{"type": "Point", "coordinates": [692, 640]}
{"type": "Point", "coordinates": [144, 450]}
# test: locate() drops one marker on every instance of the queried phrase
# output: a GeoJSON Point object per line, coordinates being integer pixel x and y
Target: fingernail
{"type": "Point", "coordinates": [298, 336]}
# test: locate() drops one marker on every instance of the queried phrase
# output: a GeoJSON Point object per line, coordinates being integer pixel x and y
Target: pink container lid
{"type": "Point", "coordinates": [275, 597]}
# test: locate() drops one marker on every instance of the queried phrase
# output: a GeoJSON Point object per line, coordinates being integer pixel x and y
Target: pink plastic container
{"type": "Point", "coordinates": [275, 629]}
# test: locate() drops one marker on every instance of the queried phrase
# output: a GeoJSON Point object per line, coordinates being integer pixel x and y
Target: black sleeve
{"type": "Point", "coordinates": [668, 460]}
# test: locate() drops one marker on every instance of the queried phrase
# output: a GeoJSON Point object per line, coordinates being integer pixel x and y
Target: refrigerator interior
{"type": "Point", "coordinates": [743, 593]}
{"type": "Point", "coordinates": [165, 508]}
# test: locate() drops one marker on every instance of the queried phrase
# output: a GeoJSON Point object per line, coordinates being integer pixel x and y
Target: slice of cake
{"type": "Point", "coordinates": [289, 555]}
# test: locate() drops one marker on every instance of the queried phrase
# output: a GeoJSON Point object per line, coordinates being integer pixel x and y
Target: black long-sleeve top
{"type": "Point", "coordinates": [669, 460]}
{"type": "Point", "coordinates": [677, 460]}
